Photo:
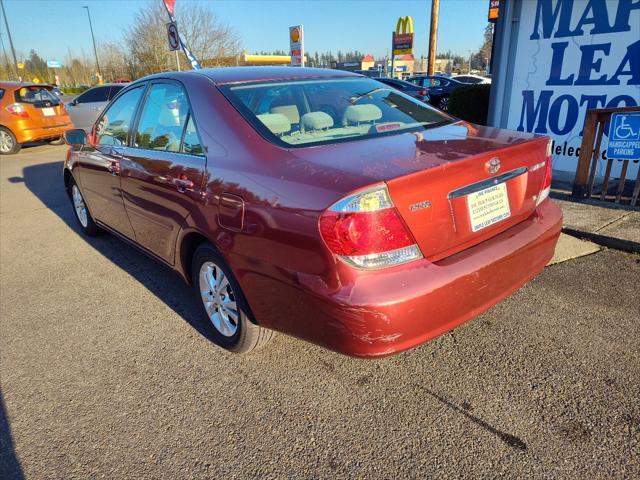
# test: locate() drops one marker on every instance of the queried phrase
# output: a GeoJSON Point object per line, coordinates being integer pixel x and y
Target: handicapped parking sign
{"type": "Point", "coordinates": [624, 136]}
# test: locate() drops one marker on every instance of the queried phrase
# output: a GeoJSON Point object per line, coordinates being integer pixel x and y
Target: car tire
{"type": "Point", "coordinates": [223, 303]}
{"type": "Point", "coordinates": [8, 143]}
{"type": "Point", "coordinates": [57, 141]}
{"type": "Point", "coordinates": [443, 104]}
{"type": "Point", "coordinates": [82, 214]}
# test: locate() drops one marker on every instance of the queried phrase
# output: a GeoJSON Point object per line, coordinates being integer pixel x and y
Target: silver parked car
{"type": "Point", "coordinates": [86, 107]}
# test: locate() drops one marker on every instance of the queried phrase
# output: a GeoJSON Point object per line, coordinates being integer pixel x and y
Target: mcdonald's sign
{"type": "Point", "coordinates": [403, 36]}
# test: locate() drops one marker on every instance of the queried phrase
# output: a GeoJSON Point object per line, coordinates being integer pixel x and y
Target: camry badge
{"type": "Point", "coordinates": [492, 166]}
{"type": "Point", "coordinates": [420, 205]}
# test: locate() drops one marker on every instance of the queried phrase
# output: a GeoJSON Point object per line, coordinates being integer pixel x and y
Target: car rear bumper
{"type": "Point", "coordinates": [32, 134]}
{"type": "Point", "coordinates": [384, 312]}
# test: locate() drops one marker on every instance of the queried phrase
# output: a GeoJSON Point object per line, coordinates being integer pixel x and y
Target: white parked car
{"type": "Point", "coordinates": [86, 107]}
{"type": "Point", "coordinates": [472, 79]}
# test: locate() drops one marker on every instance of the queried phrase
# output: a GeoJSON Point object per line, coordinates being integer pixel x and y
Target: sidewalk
{"type": "Point", "coordinates": [604, 223]}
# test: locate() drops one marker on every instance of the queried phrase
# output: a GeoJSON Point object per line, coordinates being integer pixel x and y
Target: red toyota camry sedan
{"type": "Point", "coordinates": [317, 203]}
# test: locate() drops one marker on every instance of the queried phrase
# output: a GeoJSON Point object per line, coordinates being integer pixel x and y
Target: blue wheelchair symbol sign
{"type": "Point", "coordinates": [624, 136]}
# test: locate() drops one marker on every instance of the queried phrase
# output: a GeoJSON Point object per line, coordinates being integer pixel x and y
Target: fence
{"type": "Point", "coordinates": [583, 184]}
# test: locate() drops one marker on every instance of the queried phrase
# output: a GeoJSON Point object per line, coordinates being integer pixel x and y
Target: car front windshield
{"type": "Point", "coordinates": [315, 112]}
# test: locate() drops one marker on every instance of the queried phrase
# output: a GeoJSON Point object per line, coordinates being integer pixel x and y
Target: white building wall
{"type": "Point", "coordinates": [554, 59]}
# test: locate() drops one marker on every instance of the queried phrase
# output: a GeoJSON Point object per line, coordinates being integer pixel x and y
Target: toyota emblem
{"type": "Point", "coordinates": [492, 166]}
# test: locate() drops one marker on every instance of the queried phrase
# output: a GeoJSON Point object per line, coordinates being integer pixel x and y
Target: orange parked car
{"type": "Point", "coordinates": [30, 112]}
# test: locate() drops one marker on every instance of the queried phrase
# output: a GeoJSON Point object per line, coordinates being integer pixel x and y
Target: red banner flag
{"type": "Point", "coordinates": [170, 4]}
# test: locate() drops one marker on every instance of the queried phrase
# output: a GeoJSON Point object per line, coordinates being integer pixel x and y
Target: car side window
{"type": "Point", "coordinates": [114, 90]}
{"type": "Point", "coordinates": [163, 118]}
{"type": "Point", "coordinates": [191, 143]}
{"type": "Point", "coordinates": [97, 94]}
{"type": "Point", "coordinates": [113, 127]}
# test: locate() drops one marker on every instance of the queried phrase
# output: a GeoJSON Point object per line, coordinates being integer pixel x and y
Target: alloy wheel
{"type": "Point", "coordinates": [79, 206]}
{"type": "Point", "coordinates": [6, 142]}
{"type": "Point", "coordinates": [218, 299]}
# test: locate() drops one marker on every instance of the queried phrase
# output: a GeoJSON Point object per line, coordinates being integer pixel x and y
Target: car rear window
{"type": "Point", "coordinates": [315, 112]}
{"type": "Point", "coordinates": [36, 95]}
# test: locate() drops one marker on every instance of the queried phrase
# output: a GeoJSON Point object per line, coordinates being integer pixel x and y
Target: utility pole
{"type": "Point", "coordinates": [13, 52]}
{"type": "Point", "coordinates": [433, 36]}
{"type": "Point", "coordinates": [95, 50]}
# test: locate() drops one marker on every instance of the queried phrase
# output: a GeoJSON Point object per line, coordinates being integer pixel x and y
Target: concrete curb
{"type": "Point", "coordinates": [604, 240]}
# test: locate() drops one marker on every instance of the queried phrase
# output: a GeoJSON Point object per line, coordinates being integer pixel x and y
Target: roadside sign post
{"type": "Point", "coordinates": [174, 40]}
{"type": "Point", "coordinates": [624, 136]}
{"type": "Point", "coordinates": [401, 40]}
{"type": "Point", "coordinates": [296, 45]}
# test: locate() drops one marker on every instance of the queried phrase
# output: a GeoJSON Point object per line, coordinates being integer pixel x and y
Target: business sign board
{"type": "Point", "coordinates": [172, 36]}
{"type": "Point", "coordinates": [20, 66]}
{"type": "Point", "coordinates": [54, 64]}
{"type": "Point", "coordinates": [567, 56]}
{"type": "Point", "coordinates": [296, 45]}
{"type": "Point", "coordinates": [494, 10]}
{"type": "Point", "coordinates": [624, 136]}
{"type": "Point", "coordinates": [403, 36]}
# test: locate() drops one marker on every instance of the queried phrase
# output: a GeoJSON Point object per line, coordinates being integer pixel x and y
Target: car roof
{"type": "Point", "coordinates": [108, 85]}
{"type": "Point", "coordinates": [229, 75]}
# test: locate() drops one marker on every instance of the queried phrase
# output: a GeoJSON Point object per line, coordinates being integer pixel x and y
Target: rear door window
{"type": "Point", "coordinates": [114, 90]}
{"type": "Point", "coordinates": [97, 94]}
{"type": "Point", "coordinates": [163, 118]}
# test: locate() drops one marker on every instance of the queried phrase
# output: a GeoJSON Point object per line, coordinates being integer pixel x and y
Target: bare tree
{"type": "Point", "coordinates": [210, 40]}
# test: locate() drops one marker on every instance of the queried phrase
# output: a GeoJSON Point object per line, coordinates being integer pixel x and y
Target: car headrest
{"type": "Point", "coordinates": [289, 111]}
{"type": "Point", "coordinates": [276, 122]}
{"type": "Point", "coordinates": [316, 121]}
{"type": "Point", "coordinates": [361, 113]}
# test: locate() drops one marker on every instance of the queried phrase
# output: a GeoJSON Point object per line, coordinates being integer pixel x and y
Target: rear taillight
{"type": "Point", "coordinates": [422, 92]}
{"type": "Point", "coordinates": [17, 109]}
{"type": "Point", "coordinates": [546, 184]}
{"type": "Point", "coordinates": [365, 230]}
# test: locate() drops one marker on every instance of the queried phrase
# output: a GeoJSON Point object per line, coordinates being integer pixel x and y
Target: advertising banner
{"type": "Point", "coordinates": [570, 56]}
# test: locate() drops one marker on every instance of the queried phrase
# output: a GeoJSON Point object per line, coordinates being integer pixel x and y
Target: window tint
{"type": "Point", "coordinates": [163, 118]}
{"type": "Point", "coordinates": [1, 93]}
{"type": "Point", "coordinates": [465, 79]}
{"type": "Point", "coordinates": [115, 90]}
{"type": "Point", "coordinates": [97, 94]}
{"type": "Point", "coordinates": [191, 143]}
{"type": "Point", "coordinates": [114, 125]}
{"type": "Point", "coordinates": [330, 110]}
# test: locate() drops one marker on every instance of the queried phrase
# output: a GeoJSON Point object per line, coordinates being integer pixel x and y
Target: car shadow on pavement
{"type": "Point", "coordinates": [9, 465]}
{"type": "Point", "coordinates": [45, 182]}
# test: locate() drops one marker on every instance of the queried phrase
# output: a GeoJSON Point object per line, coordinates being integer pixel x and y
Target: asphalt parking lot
{"type": "Point", "coordinates": [106, 372]}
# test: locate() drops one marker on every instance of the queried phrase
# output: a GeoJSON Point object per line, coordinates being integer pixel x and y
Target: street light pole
{"type": "Point", "coordinates": [95, 50]}
{"type": "Point", "coordinates": [13, 52]}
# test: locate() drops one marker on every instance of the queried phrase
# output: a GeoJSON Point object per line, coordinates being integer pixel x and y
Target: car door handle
{"type": "Point", "coordinates": [183, 183]}
{"type": "Point", "coordinates": [114, 167]}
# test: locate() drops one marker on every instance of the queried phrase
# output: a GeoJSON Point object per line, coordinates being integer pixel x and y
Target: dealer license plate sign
{"type": "Point", "coordinates": [488, 206]}
{"type": "Point", "coordinates": [48, 112]}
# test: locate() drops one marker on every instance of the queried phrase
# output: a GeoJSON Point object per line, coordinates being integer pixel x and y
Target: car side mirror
{"type": "Point", "coordinates": [74, 102]}
{"type": "Point", "coordinates": [77, 136]}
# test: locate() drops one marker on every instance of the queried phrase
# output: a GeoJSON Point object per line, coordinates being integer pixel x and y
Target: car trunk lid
{"type": "Point", "coordinates": [441, 179]}
{"type": "Point", "coordinates": [461, 203]}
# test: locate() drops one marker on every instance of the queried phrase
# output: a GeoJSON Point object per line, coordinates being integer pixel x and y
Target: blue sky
{"type": "Point", "coordinates": [51, 27]}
